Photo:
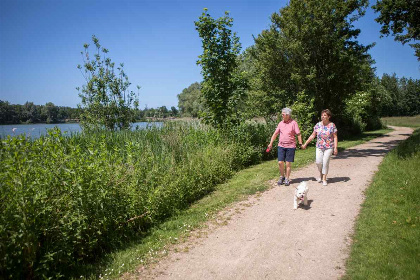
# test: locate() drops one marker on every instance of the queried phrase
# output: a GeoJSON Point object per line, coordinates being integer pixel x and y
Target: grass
{"type": "Point", "coordinates": [386, 243]}
{"type": "Point", "coordinates": [402, 121]}
{"type": "Point", "coordinates": [160, 239]}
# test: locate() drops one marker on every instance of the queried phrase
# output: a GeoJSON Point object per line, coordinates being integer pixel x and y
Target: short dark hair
{"type": "Point", "coordinates": [326, 111]}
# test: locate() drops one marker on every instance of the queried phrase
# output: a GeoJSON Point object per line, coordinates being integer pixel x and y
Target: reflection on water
{"type": "Point", "coordinates": [36, 130]}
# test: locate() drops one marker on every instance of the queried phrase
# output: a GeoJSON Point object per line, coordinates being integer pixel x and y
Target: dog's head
{"type": "Point", "coordinates": [301, 190]}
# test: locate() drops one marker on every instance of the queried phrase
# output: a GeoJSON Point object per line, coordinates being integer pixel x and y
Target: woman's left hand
{"type": "Point", "coordinates": [335, 151]}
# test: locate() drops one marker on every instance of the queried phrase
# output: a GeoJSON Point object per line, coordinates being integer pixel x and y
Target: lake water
{"type": "Point", "coordinates": [36, 130]}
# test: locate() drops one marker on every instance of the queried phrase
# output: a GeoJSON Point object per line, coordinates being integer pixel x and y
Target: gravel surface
{"type": "Point", "coordinates": [264, 238]}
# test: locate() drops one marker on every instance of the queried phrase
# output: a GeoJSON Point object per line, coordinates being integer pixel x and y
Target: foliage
{"type": "Point", "coordinates": [401, 17]}
{"type": "Point", "coordinates": [311, 49]}
{"type": "Point", "coordinates": [386, 241]}
{"type": "Point", "coordinates": [400, 97]}
{"type": "Point", "coordinates": [67, 200]}
{"type": "Point", "coordinates": [31, 113]}
{"type": "Point", "coordinates": [106, 101]}
{"type": "Point", "coordinates": [223, 86]}
{"type": "Point", "coordinates": [190, 101]}
{"type": "Point", "coordinates": [304, 113]}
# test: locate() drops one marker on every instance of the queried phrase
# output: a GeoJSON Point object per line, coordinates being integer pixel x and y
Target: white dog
{"type": "Point", "coordinates": [301, 193]}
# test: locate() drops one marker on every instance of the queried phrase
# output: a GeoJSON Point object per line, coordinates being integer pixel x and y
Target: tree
{"type": "Point", "coordinates": [174, 111]}
{"type": "Point", "coordinates": [190, 101]}
{"type": "Point", "coordinates": [30, 112]}
{"type": "Point", "coordinates": [222, 86]}
{"type": "Point", "coordinates": [411, 89]}
{"type": "Point", "coordinates": [402, 18]}
{"type": "Point", "coordinates": [163, 112]}
{"type": "Point", "coordinates": [49, 112]}
{"type": "Point", "coordinates": [310, 59]}
{"type": "Point", "coordinates": [401, 96]}
{"type": "Point", "coordinates": [106, 101]}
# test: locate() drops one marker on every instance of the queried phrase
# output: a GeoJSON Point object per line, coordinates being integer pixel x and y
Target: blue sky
{"type": "Point", "coordinates": [41, 41]}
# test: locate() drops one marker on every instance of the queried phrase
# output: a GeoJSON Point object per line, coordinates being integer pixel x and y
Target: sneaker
{"type": "Point", "coordinates": [318, 180]}
{"type": "Point", "coordinates": [280, 181]}
{"type": "Point", "coordinates": [324, 183]}
{"type": "Point", "coordinates": [286, 182]}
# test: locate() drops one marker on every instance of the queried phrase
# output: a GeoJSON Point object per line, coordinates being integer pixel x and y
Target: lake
{"type": "Point", "coordinates": [36, 130]}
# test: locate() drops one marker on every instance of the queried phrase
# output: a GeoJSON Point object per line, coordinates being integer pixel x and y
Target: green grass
{"type": "Point", "coordinates": [386, 243]}
{"type": "Point", "coordinates": [402, 121]}
{"type": "Point", "coordinates": [160, 238]}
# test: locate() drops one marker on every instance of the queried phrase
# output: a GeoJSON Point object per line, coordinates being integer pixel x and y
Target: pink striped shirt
{"type": "Point", "coordinates": [288, 131]}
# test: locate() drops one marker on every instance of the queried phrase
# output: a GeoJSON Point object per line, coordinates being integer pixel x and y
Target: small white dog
{"type": "Point", "coordinates": [301, 194]}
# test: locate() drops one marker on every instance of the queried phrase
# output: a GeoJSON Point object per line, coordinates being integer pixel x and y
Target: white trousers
{"type": "Point", "coordinates": [323, 157]}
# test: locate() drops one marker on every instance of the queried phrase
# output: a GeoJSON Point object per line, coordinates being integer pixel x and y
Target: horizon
{"type": "Point", "coordinates": [41, 41]}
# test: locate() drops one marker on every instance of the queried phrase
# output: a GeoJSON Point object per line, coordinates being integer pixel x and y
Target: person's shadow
{"type": "Point", "coordinates": [330, 180]}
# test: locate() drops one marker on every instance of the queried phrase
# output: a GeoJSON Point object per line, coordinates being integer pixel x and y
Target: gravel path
{"type": "Point", "coordinates": [267, 239]}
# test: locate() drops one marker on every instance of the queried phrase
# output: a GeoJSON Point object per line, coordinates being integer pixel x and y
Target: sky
{"type": "Point", "coordinates": [41, 43]}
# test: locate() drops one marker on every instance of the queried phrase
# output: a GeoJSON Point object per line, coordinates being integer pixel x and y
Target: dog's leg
{"type": "Point", "coordinates": [295, 204]}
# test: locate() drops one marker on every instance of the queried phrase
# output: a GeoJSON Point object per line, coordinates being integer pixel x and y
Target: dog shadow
{"type": "Point", "coordinates": [306, 207]}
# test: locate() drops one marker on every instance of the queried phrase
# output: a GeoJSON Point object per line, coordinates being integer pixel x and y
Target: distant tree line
{"type": "Point", "coordinates": [156, 113]}
{"type": "Point", "coordinates": [399, 96]}
{"type": "Point", "coordinates": [50, 113]}
{"type": "Point", "coordinates": [31, 113]}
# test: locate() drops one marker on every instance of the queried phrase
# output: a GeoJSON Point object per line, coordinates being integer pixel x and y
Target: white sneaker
{"type": "Point", "coordinates": [324, 183]}
{"type": "Point", "coordinates": [318, 180]}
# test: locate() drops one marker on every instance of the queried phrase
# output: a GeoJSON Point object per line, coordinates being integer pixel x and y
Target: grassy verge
{"type": "Point", "coordinates": [387, 237]}
{"type": "Point", "coordinates": [413, 121]}
{"type": "Point", "coordinates": [160, 238]}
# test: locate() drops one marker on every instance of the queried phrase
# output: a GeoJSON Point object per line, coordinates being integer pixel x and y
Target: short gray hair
{"type": "Point", "coordinates": [287, 111]}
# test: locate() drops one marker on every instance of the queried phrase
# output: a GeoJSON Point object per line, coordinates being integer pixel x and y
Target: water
{"type": "Point", "coordinates": [36, 130]}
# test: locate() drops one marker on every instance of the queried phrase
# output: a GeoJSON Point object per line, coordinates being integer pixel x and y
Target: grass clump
{"type": "Point", "coordinates": [387, 237]}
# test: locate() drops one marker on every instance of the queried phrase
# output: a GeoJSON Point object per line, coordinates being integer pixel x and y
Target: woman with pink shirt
{"type": "Point", "coordinates": [287, 129]}
{"type": "Point", "coordinates": [326, 144]}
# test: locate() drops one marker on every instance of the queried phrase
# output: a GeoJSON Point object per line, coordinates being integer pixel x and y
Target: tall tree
{"type": "Point", "coordinates": [402, 18]}
{"type": "Point", "coordinates": [50, 112]}
{"type": "Point", "coordinates": [401, 96]}
{"type": "Point", "coordinates": [222, 86]}
{"type": "Point", "coordinates": [106, 99]}
{"type": "Point", "coordinates": [310, 58]}
{"type": "Point", "coordinates": [190, 101]}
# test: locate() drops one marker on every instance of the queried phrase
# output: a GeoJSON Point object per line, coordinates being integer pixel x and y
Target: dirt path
{"type": "Point", "coordinates": [270, 240]}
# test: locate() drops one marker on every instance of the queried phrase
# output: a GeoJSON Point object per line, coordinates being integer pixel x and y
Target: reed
{"type": "Point", "coordinates": [67, 200]}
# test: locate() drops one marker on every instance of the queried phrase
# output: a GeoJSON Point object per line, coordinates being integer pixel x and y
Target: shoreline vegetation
{"type": "Point", "coordinates": [68, 200]}
{"type": "Point", "coordinates": [148, 119]}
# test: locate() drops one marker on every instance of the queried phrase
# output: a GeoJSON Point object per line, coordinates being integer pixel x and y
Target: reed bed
{"type": "Point", "coordinates": [67, 200]}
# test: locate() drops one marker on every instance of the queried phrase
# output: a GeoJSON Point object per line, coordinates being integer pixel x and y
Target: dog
{"type": "Point", "coordinates": [301, 194]}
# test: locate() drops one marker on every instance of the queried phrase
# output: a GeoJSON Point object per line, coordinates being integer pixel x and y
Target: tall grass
{"type": "Point", "coordinates": [67, 200]}
{"type": "Point", "coordinates": [387, 238]}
